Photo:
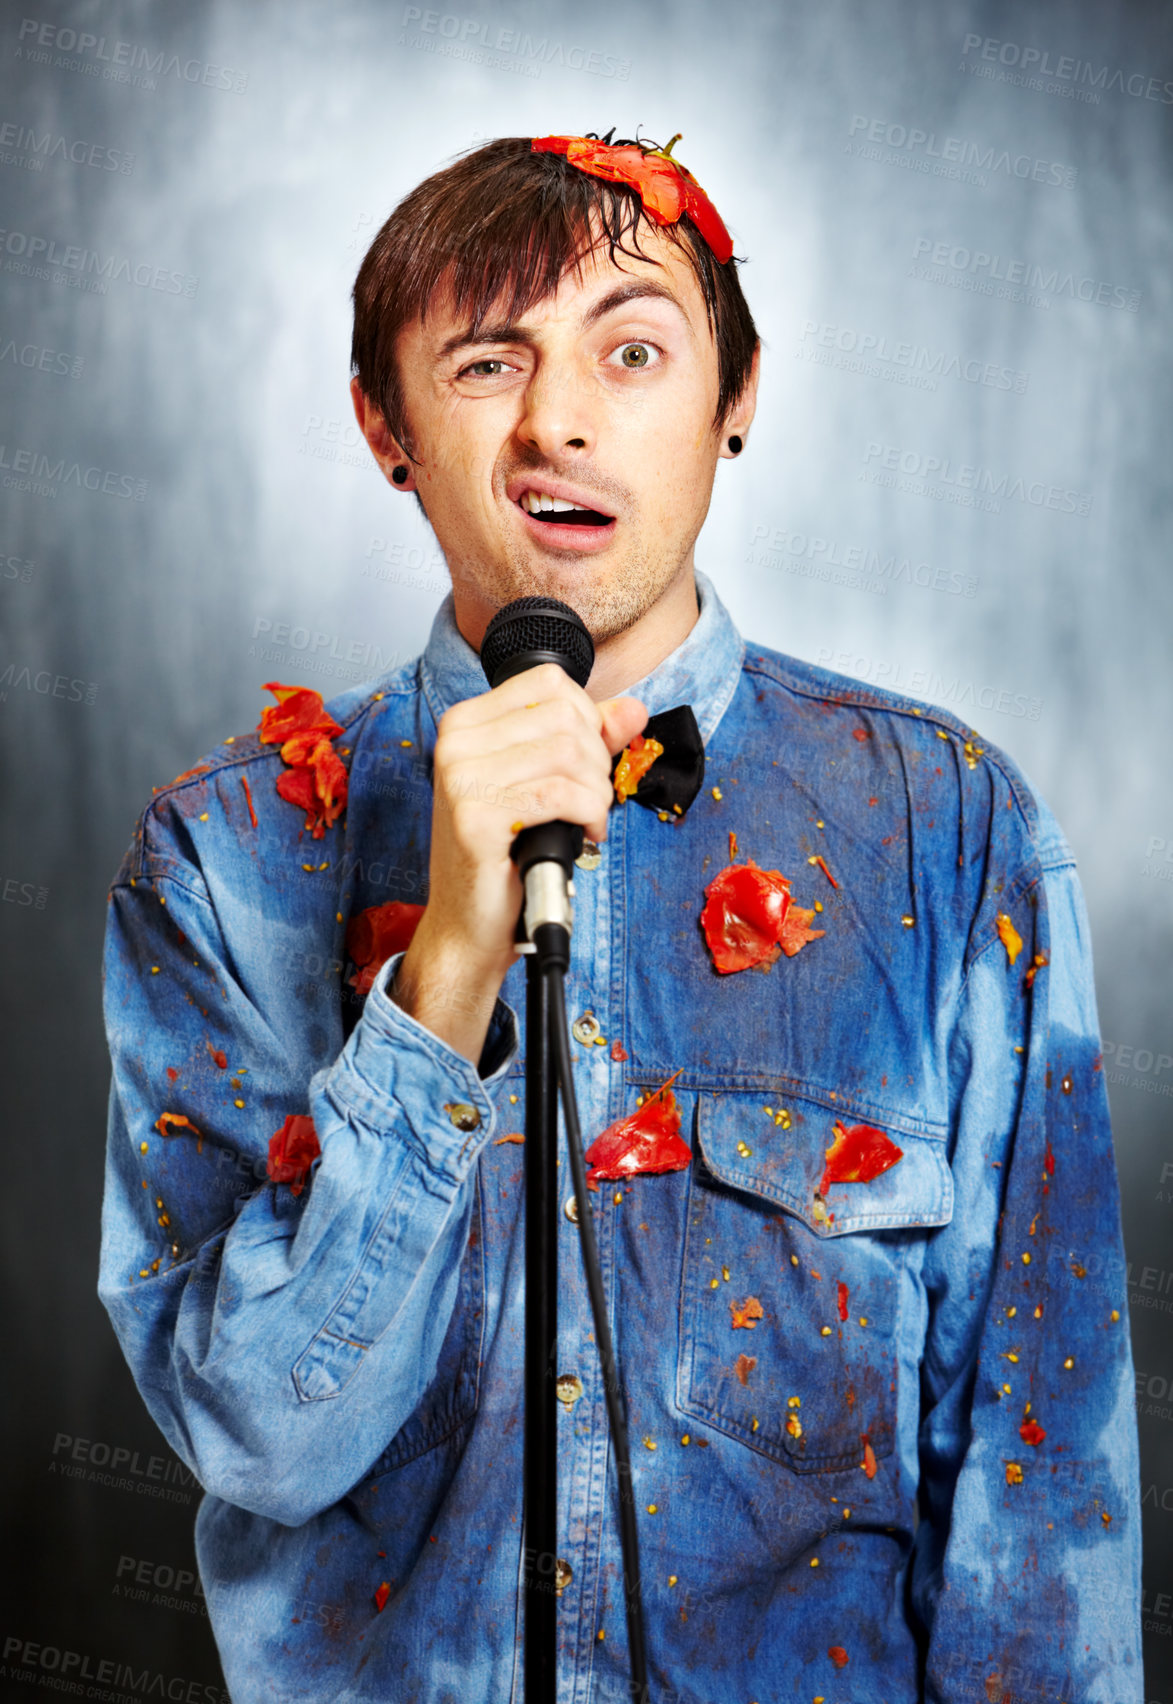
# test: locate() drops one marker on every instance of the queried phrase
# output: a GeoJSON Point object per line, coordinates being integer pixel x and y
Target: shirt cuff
{"type": "Point", "coordinates": [391, 1063]}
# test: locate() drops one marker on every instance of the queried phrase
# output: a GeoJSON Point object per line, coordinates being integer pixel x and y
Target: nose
{"type": "Point", "coordinates": [559, 412]}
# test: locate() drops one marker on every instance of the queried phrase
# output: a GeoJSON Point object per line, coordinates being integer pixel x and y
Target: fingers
{"type": "Point", "coordinates": [623, 718]}
{"type": "Point", "coordinates": [534, 749]}
{"type": "Point", "coordinates": [555, 727]}
{"type": "Point", "coordinates": [540, 685]}
{"type": "Point", "coordinates": [490, 793]}
{"type": "Point", "coordinates": [618, 720]}
{"type": "Point", "coordinates": [560, 798]}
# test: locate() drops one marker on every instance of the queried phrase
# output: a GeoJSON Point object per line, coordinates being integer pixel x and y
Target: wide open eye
{"type": "Point", "coordinates": [638, 355]}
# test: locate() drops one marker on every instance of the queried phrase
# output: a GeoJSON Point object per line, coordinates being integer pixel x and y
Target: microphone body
{"type": "Point", "coordinates": [524, 634]}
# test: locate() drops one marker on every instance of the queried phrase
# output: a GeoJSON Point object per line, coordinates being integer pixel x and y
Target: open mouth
{"type": "Point", "coordinates": [554, 512]}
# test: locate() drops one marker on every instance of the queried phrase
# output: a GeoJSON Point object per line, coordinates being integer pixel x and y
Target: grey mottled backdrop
{"type": "Point", "coordinates": [956, 215]}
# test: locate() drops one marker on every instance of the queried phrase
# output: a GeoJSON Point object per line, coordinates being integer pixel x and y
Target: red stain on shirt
{"type": "Point", "coordinates": [316, 780]}
{"type": "Point", "coordinates": [376, 935]}
{"type": "Point", "coordinates": [647, 1140]}
{"type": "Point", "coordinates": [292, 1151]}
{"type": "Point", "coordinates": [858, 1155]}
{"type": "Point", "coordinates": [745, 918]}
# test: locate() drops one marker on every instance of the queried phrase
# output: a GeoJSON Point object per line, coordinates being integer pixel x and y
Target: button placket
{"type": "Point", "coordinates": [584, 1439]}
{"type": "Point", "coordinates": [612, 1098]}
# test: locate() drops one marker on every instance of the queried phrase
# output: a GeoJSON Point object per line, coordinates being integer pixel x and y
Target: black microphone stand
{"type": "Point", "coordinates": [548, 1062]}
{"type": "Point", "coordinates": [541, 1339]}
{"type": "Point", "coordinates": [530, 631]}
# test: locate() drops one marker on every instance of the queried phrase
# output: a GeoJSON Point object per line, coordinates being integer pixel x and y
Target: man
{"type": "Point", "coordinates": [872, 1327]}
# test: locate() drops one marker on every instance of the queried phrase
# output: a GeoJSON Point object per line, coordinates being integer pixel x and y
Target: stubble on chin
{"type": "Point", "coordinates": [607, 605]}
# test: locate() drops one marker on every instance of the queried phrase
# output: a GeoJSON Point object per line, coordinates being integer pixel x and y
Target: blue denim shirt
{"type": "Point", "coordinates": [342, 1369]}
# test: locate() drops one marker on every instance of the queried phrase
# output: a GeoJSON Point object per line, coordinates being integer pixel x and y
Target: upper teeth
{"type": "Point", "coordinates": [533, 502]}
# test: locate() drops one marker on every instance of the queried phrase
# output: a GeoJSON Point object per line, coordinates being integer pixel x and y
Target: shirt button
{"type": "Point", "coordinates": [586, 1028]}
{"type": "Point", "coordinates": [464, 1116]}
{"type": "Point", "coordinates": [570, 1208]}
{"type": "Point", "coordinates": [562, 1576]}
{"type": "Point", "coordinates": [590, 857]}
{"type": "Point", "coordinates": [568, 1390]}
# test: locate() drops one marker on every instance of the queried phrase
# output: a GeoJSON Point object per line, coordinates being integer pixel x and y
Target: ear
{"type": "Point", "coordinates": [384, 446]}
{"type": "Point", "coordinates": [737, 421]}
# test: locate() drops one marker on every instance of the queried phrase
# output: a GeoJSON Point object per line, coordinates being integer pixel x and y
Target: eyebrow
{"type": "Point", "coordinates": [508, 332]}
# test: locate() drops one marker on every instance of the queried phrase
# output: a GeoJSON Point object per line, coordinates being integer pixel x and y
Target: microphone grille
{"type": "Point", "coordinates": [541, 625]}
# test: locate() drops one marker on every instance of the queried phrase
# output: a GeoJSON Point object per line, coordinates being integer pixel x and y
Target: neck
{"type": "Point", "coordinates": [625, 657]}
{"type": "Point", "coordinates": [628, 656]}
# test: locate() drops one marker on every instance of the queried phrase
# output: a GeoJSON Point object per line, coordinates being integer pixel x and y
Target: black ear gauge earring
{"type": "Point", "coordinates": [735, 445]}
{"type": "Point", "coordinates": [399, 475]}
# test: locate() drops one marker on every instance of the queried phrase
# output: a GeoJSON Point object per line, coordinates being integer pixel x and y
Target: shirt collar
{"type": "Point", "coordinates": [702, 671]}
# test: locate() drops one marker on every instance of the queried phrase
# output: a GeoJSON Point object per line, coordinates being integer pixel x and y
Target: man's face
{"type": "Point", "coordinates": [602, 396]}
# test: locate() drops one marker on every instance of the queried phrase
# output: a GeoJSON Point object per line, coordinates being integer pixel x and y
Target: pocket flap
{"type": "Point", "coordinates": [776, 1148]}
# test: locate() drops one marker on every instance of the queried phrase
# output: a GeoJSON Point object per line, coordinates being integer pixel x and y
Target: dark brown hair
{"type": "Point", "coordinates": [500, 227]}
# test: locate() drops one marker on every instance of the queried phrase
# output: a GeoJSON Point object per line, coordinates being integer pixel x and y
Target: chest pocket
{"type": "Point", "coordinates": [794, 1352]}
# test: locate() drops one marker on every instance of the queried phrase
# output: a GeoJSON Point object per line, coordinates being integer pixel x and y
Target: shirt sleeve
{"type": "Point", "coordinates": [1025, 1573]}
{"type": "Point", "coordinates": [279, 1339]}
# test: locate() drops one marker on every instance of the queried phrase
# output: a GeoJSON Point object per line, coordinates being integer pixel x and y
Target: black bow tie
{"type": "Point", "coordinates": [674, 779]}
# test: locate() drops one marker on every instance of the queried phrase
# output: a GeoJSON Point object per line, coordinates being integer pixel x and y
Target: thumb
{"type": "Point", "coordinates": [623, 718]}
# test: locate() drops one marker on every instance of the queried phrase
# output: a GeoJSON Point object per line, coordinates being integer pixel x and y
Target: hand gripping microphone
{"type": "Point", "coordinates": [525, 633]}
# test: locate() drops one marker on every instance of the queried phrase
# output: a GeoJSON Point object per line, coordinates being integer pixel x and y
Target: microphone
{"type": "Point", "coordinates": [525, 633]}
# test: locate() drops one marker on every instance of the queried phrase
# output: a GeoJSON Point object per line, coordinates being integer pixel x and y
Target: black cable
{"type": "Point", "coordinates": [628, 1536]}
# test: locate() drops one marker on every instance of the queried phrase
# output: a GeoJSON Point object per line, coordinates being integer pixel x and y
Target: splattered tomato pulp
{"type": "Point", "coordinates": [645, 1141]}
{"type": "Point", "coordinates": [858, 1155]}
{"type": "Point", "coordinates": [316, 779]}
{"type": "Point", "coordinates": [634, 763]}
{"type": "Point", "coordinates": [749, 918]}
{"type": "Point", "coordinates": [376, 935]}
{"type": "Point", "coordinates": [292, 1151]}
